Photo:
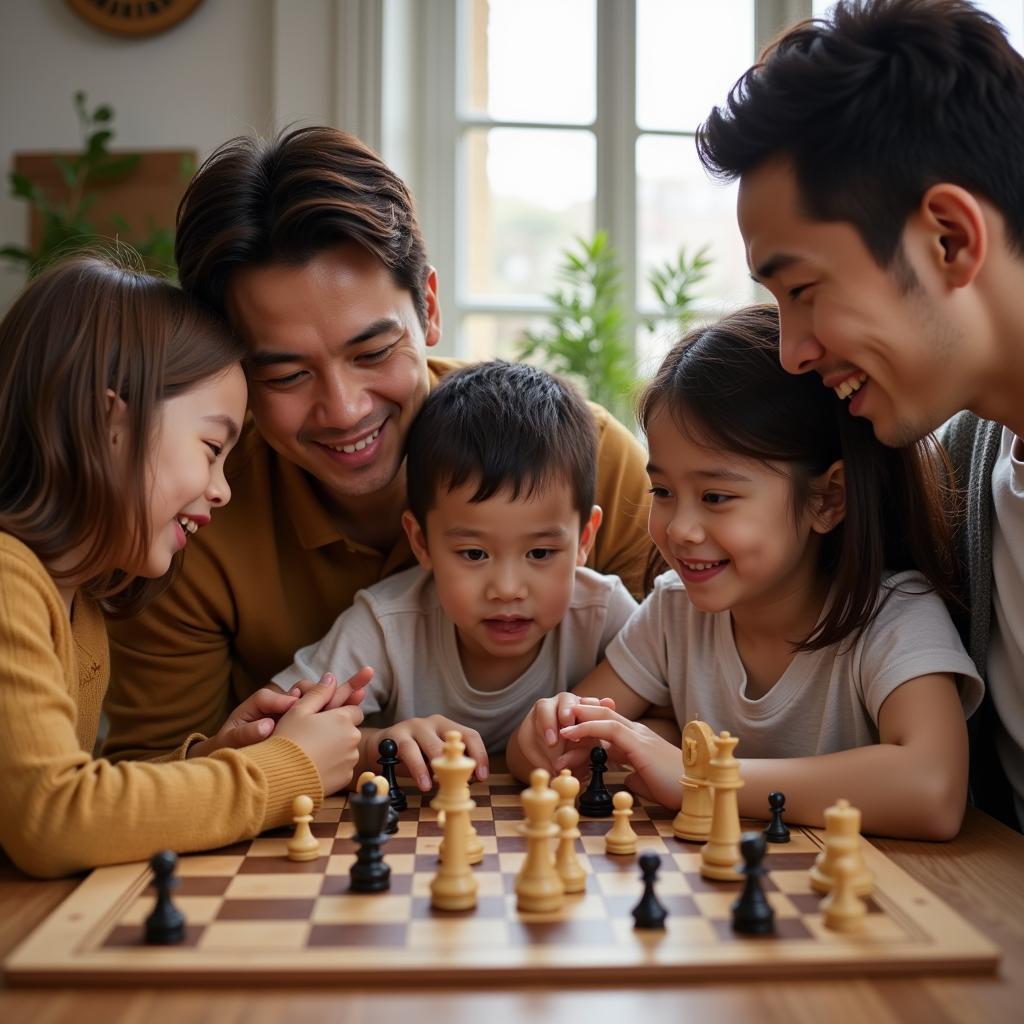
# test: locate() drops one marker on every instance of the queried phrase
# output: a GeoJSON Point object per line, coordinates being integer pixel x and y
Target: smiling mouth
{"type": "Point", "coordinates": [190, 526]}
{"type": "Point", "coordinates": [355, 446]}
{"type": "Point", "coordinates": [851, 385]}
{"type": "Point", "coordinates": [702, 566]}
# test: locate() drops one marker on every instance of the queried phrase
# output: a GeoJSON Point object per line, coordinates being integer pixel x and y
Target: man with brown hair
{"type": "Point", "coordinates": [310, 246]}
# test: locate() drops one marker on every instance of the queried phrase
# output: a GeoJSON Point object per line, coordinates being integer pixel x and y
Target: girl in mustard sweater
{"type": "Point", "coordinates": [119, 402]}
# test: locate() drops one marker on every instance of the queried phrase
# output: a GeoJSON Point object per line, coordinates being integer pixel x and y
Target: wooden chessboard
{"type": "Point", "coordinates": [256, 917]}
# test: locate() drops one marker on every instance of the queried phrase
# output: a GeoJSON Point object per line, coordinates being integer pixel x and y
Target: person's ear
{"type": "Point", "coordinates": [117, 419]}
{"type": "Point", "coordinates": [828, 501]}
{"type": "Point", "coordinates": [417, 540]}
{"type": "Point", "coordinates": [432, 332]}
{"type": "Point", "coordinates": [956, 232]}
{"type": "Point", "coordinates": [588, 535]}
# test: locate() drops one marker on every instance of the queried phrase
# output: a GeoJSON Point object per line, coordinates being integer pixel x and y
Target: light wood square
{"type": "Point", "coordinates": [339, 863]}
{"type": "Point", "coordinates": [278, 847]}
{"type": "Point", "coordinates": [507, 828]}
{"type": "Point", "coordinates": [793, 882]}
{"type": "Point", "coordinates": [457, 933]}
{"type": "Point", "coordinates": [209, 865]}
{"type": "Point", "coordinates": [277, 886]}
{"type": "Point", "coordinates": [365, 908]}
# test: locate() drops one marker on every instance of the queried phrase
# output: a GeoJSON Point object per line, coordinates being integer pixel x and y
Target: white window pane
{"type": "Point", "coordinates": [531, 60]}
{"type": "Point", "coordinates": [530, 193]}
{"type": "Point", "coordinates": [678, 205]}
{"type": "Point", "coordinates": [495, 335]}
{"type": "Point", "coordinates": [689, 55]}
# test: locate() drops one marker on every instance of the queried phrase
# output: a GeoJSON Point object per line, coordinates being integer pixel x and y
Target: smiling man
{"type": "Point", "coordinates": [879, 155]}
{"type": "Point", "coordinates": [310, 246]}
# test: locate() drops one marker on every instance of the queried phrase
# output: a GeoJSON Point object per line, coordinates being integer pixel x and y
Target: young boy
{"type": "Point", "coordinates": [500, 612]}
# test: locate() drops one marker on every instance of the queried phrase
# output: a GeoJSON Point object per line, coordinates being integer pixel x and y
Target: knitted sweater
{"type": "Point", "coordinates": [61, 810]}
{"type": "Point", "coordinates": [973, 446]}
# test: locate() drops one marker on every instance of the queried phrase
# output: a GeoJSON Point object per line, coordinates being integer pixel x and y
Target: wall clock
{"type": "Point", "coordinates": [133, 17]}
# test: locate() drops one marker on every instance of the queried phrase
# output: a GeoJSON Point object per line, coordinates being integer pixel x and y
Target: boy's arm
{"type": "Point", "coordinates": [912, 784]}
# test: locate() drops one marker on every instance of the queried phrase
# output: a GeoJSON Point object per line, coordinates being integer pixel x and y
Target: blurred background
{"type": "Point", "coordinates": [549, 143]}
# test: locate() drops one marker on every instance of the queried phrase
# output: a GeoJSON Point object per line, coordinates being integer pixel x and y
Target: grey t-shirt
{"type": "Point", "coordinates": [399, 628]}
{"type": "Point", "coordinates": [672, 653]}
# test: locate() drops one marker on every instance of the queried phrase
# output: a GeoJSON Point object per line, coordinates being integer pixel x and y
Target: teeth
{"type": "Point", "coordinates": [350, 449]}
{"type": "Point", "coordinates": [188, 525]}
{"type": "Point", "coordinates": [698, 566]}
{"type": "Point", "coordinates": [850, 385]}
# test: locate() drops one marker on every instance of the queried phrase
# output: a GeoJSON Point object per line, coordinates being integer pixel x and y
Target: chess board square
{"type": "Point", "coordinates": [489, 906]}
{"type": "Point", "coordinates": [680, 932]}
{"type": "Point", "coordinates": [269, 886]}
{"type": "Point", "coordinates": [276, 937]}
{"type": "Point", "coordinates": [197, 909]}
{"type": "Point", "coordinates": [454, 931]}
{"type": "Point", "coordinates": [339, 885]}
{"type": "Point", "coordinates": [507, 829]}
{"type": "Point", "coordinates": [266, 910]}
{"type": "Point", "coordinates": [281, 865]}
{"type": "Point", "coordinates": [123, 936]}
{"type": "Point", "coordinates": [785, 928]}
{"type": "Point", "coordinates": [199, 886]}
{"type": "Point", "coordinates": [572, 932]}
{"type": "Point", "coordinates": [678, 905]}
{"type": "Point", "coordinates": [386, 907]}
{"type": "Point", "coordinates": [791, 882]}
{"type": "Point", "coordinates": [789, 860]}
{"type": "Point", "coordinates": [209, 864]}
{"type": "Point", "coordinates": [510, 844]}
{"type": "Point", "coordinates": [382, 936]}
{"type": "Point", "coordinates": [489, 883]}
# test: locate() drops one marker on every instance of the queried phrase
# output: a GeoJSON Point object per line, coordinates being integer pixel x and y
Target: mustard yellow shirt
{"type": "Point", "coordinates": [61, 809]}
{"type": "Point", "coordinates": [272, 572]}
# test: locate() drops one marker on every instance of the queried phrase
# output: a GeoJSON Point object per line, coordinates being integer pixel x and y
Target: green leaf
{"type": "Point", "coordinates": [103, 114]}
{"type": "Point", "coordinates": [114, 167]}
{"type": "Point", "coordinates": [96, 144]}
{"type": "Point", "coordinates": [68, 170]}
{"type": "Point", "coordinates": [21, 186]}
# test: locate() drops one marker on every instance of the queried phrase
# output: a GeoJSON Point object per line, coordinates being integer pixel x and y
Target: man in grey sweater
{"type": "Point", "coordinates": [881, 201]}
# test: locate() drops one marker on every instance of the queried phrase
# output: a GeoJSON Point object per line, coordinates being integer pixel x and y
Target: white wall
{"type": "Point", "coordinates": [207, 79]}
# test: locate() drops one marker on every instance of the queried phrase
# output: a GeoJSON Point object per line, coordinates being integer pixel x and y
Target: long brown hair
{"type": "Point", "coordinates": [725, 381]}
{"type": "Point", "coordinates": [86, 327]}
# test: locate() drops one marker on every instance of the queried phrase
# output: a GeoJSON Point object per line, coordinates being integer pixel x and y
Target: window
{"type": "Point", "coordinates": [546, 120]}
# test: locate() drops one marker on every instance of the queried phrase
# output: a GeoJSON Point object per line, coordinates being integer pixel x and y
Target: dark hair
{"type": "Point", "coordinates": [84, 326]}
{"type": "Point", "coordinates": [724, 385]}
{"type": "Point", "coordinates": [501, 425]}
{"type": "Point", "coordinates": [875, 104]}
{"type": "Point", "coordinates": [254, 202]}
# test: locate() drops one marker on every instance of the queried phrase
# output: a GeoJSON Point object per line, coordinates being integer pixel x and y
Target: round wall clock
{"type": "Point", "coordinates": [134, 17]}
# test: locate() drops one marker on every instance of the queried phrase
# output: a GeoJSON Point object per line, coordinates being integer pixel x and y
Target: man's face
{"type": "Point", "coordinates": [337, 364]}
{"type": "Point", "coordinates": [884, 341]}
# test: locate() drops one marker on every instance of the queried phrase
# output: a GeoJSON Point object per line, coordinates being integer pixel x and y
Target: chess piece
{"type": "Point", "coordinates": [843, 909]}
{"type": "Point", "coordinates": [570, 870]}
{"type": "Point", "coordinates": [383, 789]}
{"type": "Point", "coordinates": [388, 761]}
{"type": "Point", "coordinates": [721, 853]}
{"type": "Point", "coordinates": [165, 926]}
{"type": "Point", "coordinates": [776, 830]}
{"type": "Point", "coordinates": [693, 822]}
{"type": "Point", "coordinates": [369, 873]}
{"type": "Point", "coordinates": [303, 845]}
{"type": "Point", "coordinates": [751, 913]}
{"type": "Point", "coordinates": [842, 838]}
{"type": "Point", "coordinates": [539, 889]}
{"type": "Point", "coordinates": [649, 913]}
{"type": "Point", "coordinates": [454, 887]}
{"type": "Point", "coordinates": [621, 839]}
{"type": "Point", "coordinates": [567, 786]}
{"type": "Point", "coordinates": [596, 801]}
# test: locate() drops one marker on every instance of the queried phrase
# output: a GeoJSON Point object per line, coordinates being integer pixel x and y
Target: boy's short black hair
{"type": "Point", "coordinates": [873, 105]}
{"type": "Point", "coordinates": [502, 426]}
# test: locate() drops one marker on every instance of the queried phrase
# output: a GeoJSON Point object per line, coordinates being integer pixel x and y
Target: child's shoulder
{"type": "Point", "coordinates": [23, 577]}
{"type": "Point", "coordinates": [14, 554]}
{"type": "Point", "coordinates": [411, 590]}
{"type": "Point", "coordinates": [593, 587]}
{"type": "Point", "coordinates": [907, 597]}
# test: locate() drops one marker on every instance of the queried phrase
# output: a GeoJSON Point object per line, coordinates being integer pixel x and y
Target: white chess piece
{"type": "Point", "coordinates": [303, 845]}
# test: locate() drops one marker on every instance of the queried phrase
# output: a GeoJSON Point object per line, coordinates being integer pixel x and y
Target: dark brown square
{"type": "Point", "coordinates": [387, 935]}
{"type": "Point", "coordinates": [134, 935]}
{"type": "Point", "coordinates": [266, 910]}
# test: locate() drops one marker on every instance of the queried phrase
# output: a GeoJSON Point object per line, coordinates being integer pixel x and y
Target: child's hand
{"type": "Point", "coordinates": [252, 721]}
{"type": "Point", "coordinates": [538, 733]}
{"type": "Point", "coordinates": [329, 736]}
{"type": "Point", "coordinates": [656, 763]}
{"type": "Point", "coordinates": [420, 740]}
{"type": "Point", "coordinates": [350, 692]}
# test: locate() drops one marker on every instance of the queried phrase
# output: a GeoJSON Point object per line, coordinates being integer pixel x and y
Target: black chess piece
{"type": "Point", "coordinates": [776, 830]}
{"type": "Point", "coordinates": [166, 925]}
{"type": "Point", "coordinates": [388, 761]}
{"type": "Point", "coordinates": [596, 801]}
{"type": "Point", "coordinates": [649, 913]}
{"type": "Point", "coordinates": [391, 820]}
{"type": "Point", "coordinates": [751, 913]}
{"type": "Point", "coordinates": [369, 873]}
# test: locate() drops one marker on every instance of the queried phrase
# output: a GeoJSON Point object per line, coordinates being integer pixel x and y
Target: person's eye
{"type": "Point", "coordinates": [541, 554]}
{"type": "Point", "coordinates": [284, 381]}
{"type": "Point", "coordinates": [795, 292]}
{"type": "Point", "coordinates": [377, 355]}
{"type": "Point", "coordinates": [215, 448]}
{"type": "Point", "coordinates": [714, 498]}
{"type": "Point", "coordinates": [473, 554]}
{"type": "Point", "coordinates": [658, 492]}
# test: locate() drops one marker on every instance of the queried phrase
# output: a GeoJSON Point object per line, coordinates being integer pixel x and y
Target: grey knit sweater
{"type": "Point", "coordinates": [973, 446]}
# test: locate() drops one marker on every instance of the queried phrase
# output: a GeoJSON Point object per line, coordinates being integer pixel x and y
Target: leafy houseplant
{"type": "Point", "coordinates": [65, 221]}
{"type": "Point", "coordinates": [586, 337]}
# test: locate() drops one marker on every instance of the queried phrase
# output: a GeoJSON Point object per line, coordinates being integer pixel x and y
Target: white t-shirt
{"type": "Point", "coordinates": [1005, 669]}
{"type": "Point", "coordinates": [672, 653]}
{"type": "Point", "coordinates": [399, 628]}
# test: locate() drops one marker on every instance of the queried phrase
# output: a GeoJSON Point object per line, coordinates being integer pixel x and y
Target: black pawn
{"type": "Point", "coordinates": [369, 873]}
{"type": "Point", "coordinates": [391, 820]}
{"type": "Point", "coordinates": [166, 925]}
{"type": "Point", "coordinates": [388, 761]}
{"type": "Point", "coordinates": [649, 913]}
{"type": "Point", "coordinates": [776, 831]}
{"type": "Point", "coordinates": [751, 913]}
{"type": "Point", "coordinates": [596, 801]}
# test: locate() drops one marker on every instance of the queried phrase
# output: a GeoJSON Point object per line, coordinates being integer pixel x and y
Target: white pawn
{"type": "Point", "coordinates": [303, 845]}
{"type": "Point", "coordinates": [842, 839]}
{"type": "Point", "coordinates": [570, 870]}
{"type": "Point", "coordinates": [843, 909]}
{"type": "Point", "coordinates": [567, 786]}
{"type": "Point", "coordinates": [621, 838]}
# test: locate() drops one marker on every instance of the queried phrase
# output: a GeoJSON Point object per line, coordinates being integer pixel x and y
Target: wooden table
{"type": "Point", "coordinates": [980, 874]}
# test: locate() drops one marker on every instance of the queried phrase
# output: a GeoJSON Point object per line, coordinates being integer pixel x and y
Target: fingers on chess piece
{"type": "Point", "coordinates": [776, 830]}
{"type": "Point", "coordinates": [388, 761]}
{"type": "Point", "coordinates": [570, 870]}
{"type": "Point", "coordinates": [165, 926]}
{"type": "Point", "coordinates": [454, 887]}
{"type": "Point", "coordinates": [539, 888]}
{"type": "Point", "coordinates": [621, 839]}
{"type": "Point", "coordinates": [596, 801]}
{"type": "Point", "coordinates": [649, 913]}
{"type": "Point", "coordinates": [369, 873]}
{"type": "Point", "coordinates": [303, 845]}
{"type": "Point", "coordinates": [843, 910]}
{"type": "Point", "coordinates": [751, 913]}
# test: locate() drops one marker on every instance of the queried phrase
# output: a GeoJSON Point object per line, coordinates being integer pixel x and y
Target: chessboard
{"type": "Point", "coordinates": [254, 916]}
